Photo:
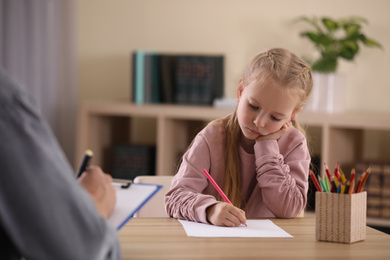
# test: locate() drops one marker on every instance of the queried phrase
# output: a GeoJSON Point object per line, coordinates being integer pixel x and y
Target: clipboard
{"type": "Point", "coordinates": [130, 198]}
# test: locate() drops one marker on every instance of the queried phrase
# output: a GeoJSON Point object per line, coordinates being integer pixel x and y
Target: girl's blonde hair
{"type": "Point", "coordinates": [290, 72]}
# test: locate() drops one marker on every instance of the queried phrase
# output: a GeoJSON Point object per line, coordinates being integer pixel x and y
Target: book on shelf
{"type": "Point", "coordinates": [167, 72]}
{"type": "Point", "coordinates": [138, 77]}
{"type": "Point", "coordinates": [177, 78]}
{"type": "Point", "coordinates": [130, 161]}
{"type": "Point", "coordinates": [377, 187]}
{"type": "Point", "coordinates": [374, 190]}
{"type": "Point", "coordinates": [386, 191]}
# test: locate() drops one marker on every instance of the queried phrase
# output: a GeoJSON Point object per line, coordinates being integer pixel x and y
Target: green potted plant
{"type": "Point", "coordinates": [336, 39]}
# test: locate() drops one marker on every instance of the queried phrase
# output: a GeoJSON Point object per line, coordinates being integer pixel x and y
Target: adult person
{"type": "Point", "coordinates": [45, 213]}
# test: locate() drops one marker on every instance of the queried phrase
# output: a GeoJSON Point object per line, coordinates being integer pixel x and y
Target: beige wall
{"type": "Point", "coordinates": [109, 30]}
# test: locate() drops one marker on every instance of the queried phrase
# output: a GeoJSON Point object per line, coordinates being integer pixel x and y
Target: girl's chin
{"type": "Point", "coordinates": [251, 136]}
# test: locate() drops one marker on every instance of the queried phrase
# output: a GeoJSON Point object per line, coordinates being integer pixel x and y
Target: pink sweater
{"type": "Point", "coordinates": [274, 180]}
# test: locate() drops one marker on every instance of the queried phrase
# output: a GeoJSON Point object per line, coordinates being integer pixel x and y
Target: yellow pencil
{"type": "Point", "coordinates": [342, 188]}
{"type": "Point", "coordinates": [342, 176]}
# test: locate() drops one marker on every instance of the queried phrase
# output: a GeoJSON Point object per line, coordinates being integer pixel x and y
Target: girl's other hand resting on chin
{"type": "Point", "coordinates": [276, 135]}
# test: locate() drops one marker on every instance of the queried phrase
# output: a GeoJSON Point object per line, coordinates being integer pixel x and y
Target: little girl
{"type": "Point", "coordinates": [258, 154]}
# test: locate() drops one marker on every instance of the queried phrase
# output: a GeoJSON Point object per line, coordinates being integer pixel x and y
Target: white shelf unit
{"type": "Point", "coordinates": [335, 137]}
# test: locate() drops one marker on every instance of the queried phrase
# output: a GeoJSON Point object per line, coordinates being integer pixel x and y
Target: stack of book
{"type": "Point", "coordinates": [378, 192]}
{"type": "Point", "coordinates": [176, 78]}
{"type": "Point", "coordinates": [130, 161]}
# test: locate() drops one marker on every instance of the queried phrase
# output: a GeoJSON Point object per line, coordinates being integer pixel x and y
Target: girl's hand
{"type": "Point", "coordinates": [225, 214]}
{"type": "Point", "coordinates": [276, 135]}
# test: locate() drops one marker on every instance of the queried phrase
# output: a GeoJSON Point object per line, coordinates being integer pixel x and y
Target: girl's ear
{"type": "Point", "coordinates": [294, 114]}
{"type": "Point", "coordinates": [240, 88]}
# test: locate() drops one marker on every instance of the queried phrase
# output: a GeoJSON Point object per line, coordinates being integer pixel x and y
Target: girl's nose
{"type": "Point", "coordinates": [259, 121]}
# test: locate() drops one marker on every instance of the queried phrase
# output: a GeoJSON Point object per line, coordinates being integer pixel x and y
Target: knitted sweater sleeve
{"type": "Point", "coordinates": [190, 193]}
{"type": "Point", "coordinates": [282, 173]}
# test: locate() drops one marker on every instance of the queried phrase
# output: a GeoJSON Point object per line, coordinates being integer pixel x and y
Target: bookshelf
{"type": "Point", "coordinates": [343, 138]}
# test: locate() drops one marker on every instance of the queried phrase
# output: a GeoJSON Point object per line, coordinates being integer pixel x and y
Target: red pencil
{"type": "Point", "coordinates": [217, 187]}
{"type": "Point", "coordinates": [315, 181]}
{"type": "Point", "coordinates": [353, 174]}
{"type": "Point", "coordinates": [329, 177]}
{"type": "Point", "coordinates": [336, 171]}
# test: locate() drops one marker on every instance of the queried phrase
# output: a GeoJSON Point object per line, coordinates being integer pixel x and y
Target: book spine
{"type": "Point", "coordinates": [133, 74]}
{"type": "Point", "coordinates": [155, 79]}
{"type": "Point", "coordinates": [218, 79]}
{"type": "Point", "coordinates": [182, 79]}
{"type": "Point", "coordinates": [208, 78]}
{"type": "Point", "coordinates": [167, 86]}
{"type": "Point", "coordinates": [148, 78]}
{"type": "Point", "coordinates": [374, 190]}
{"type": "Point", "coordinates": [139, 87]}
{"type": "Point", "coordinates": [386, 191]}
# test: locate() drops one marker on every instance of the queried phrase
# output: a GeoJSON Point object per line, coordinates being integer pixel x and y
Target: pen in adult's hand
{"type": "Point", "coordinates": [84, 163]}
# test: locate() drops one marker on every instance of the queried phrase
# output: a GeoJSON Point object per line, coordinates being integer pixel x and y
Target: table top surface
{"type": "Point", "coordinates": [165, 238]}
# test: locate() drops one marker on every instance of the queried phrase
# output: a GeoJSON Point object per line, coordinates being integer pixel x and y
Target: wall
{"type": "Point", "coordinates": [108, 31]}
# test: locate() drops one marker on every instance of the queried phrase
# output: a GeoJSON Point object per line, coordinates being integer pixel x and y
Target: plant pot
{"type": "Point", "coordinates": [329, 93]}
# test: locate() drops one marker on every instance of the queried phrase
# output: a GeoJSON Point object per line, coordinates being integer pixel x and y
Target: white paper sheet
{"type": "Point", "coordinates": [255, 228]}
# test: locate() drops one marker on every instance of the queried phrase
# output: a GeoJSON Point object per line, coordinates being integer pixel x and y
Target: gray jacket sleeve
{"type": "Point", "coordinates": [44, 212]}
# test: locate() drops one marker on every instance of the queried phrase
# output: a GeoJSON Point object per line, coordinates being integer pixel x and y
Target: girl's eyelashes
{"type": "Point", "coordinates": [253, 107]}
{"type": "Point", "coordinates": [257, 108]}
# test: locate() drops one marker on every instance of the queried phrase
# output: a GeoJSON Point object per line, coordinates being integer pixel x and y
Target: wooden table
{"type": "Point", "coordinates": [165, 238]}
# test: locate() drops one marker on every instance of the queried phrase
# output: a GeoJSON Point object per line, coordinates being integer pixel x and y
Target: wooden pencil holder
{"type": "Point", "coordinates": [341, 218]}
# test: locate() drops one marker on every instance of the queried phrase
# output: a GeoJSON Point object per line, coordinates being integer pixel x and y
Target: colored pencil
{"type": "Point", "coordinates": [347, 187]}
{"type": "Point", "coordinates": [364, 180]}
{"type": "Point", "coordinates": [332, 189]}
{"type": "Point", "coordinates": [322, 184]}
{"type": "Point", "coordinates": [315, 181]}
{"type": "Point", "coordinates": [217, 188]}
{"type": "Point", "coordinates": [351, 188]}
{"type": "Point", "coordinates": [342, 176]}
{"type": "Point", "coordinates": [326, 182]}
{"type": "Point", "coordinates": [336, 171]}
{"type": "Point", "coordinates": [357, 188]}
{"type": "Point", "coordinates": [353, 174]}
{"type": "Point", "coordinates": [343, 187]}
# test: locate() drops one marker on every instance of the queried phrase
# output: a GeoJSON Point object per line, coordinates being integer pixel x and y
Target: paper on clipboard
{"type": "Point", "coordinates": [129, 200]}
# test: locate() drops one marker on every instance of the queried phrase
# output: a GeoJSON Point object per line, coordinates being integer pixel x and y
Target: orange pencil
{"type": "Point", "coordinates": [364, 180]}
{"type": "Point", "coordinates": [359, 183]}
{"type": "Point", "coordinates": [352, 181]}
{"type": "Point", "coordinates": [351, 188]}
